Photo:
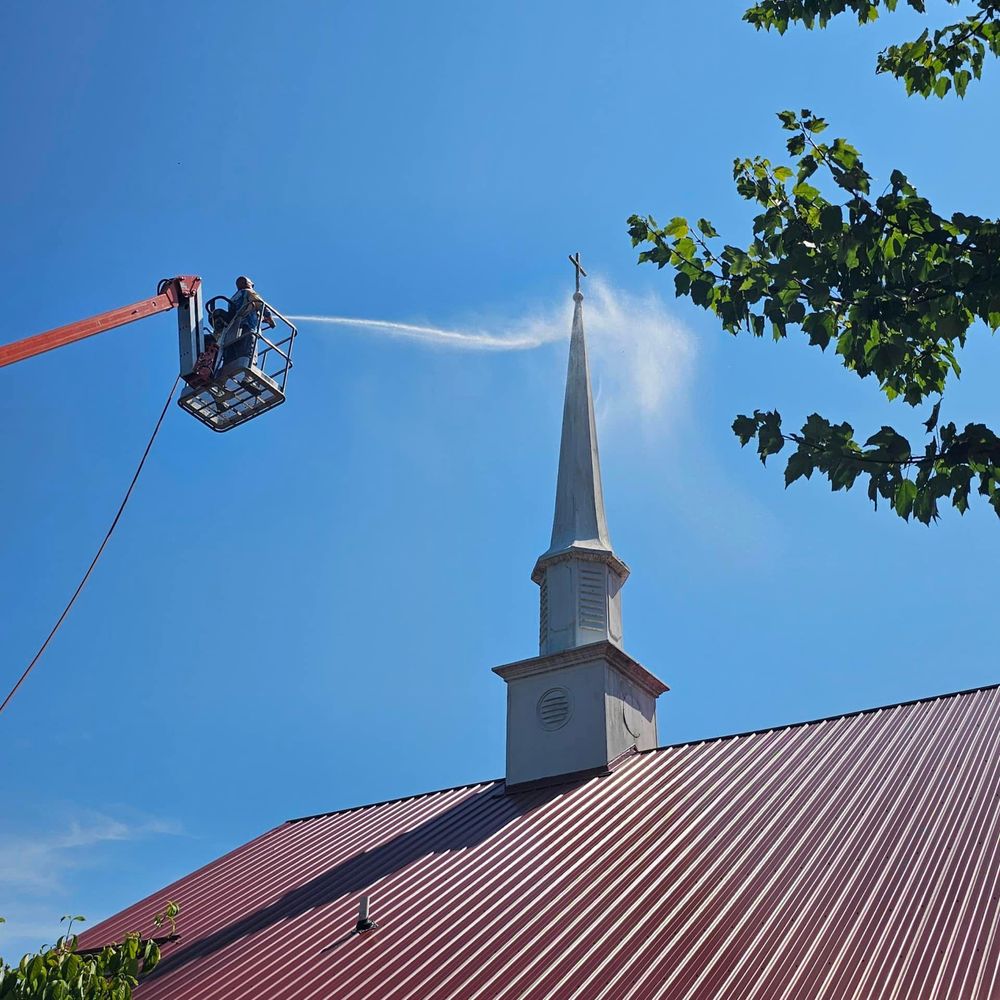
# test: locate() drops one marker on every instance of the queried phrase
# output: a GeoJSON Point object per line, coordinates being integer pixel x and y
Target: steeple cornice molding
{"type": "Point", "coordinates": [579, 552]}
{"type": "Point", "coordinates": [603, 650]}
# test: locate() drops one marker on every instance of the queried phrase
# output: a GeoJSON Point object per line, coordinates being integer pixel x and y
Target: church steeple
{"type": "Point", "coordinates": [583, 701]}
{"type": "Point", "coordinates": [579, 575]}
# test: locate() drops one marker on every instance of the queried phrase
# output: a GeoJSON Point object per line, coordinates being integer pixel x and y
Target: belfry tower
{"type": "Point", "coordinates": [583, 701]}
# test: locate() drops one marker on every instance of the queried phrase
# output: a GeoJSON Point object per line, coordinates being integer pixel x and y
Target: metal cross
{"type": "Point", "coordinates": [574, 259]}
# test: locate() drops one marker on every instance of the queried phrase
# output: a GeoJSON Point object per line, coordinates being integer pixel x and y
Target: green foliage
{"type": "Point", "coordinates": [933, 63]}
{"type": "Point", "coordinates": [912, 484]}
{"type": "Point", "coordinates": [64, 972]}
{"type": "Point", "coordinates": [892, 286]}
{"type": "Point", "coordinates": [168, 916]}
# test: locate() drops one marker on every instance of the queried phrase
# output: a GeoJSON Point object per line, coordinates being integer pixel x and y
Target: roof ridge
{"type": "Point", "coordinates": [669, 746]}
{"type": "Point", "coordinates": [826, 718]}
{"type": "Point", "coordinates": [397, 798]}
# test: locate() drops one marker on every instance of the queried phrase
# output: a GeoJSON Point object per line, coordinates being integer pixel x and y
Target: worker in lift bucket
{"type": "Point", "coordinates": [246, 304]}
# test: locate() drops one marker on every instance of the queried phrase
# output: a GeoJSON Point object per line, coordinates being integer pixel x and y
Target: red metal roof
{"type": "Point", "coordinates": [850, 857]}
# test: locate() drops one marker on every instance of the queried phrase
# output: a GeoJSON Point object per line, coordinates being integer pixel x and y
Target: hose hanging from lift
{"type": "Point", "coordinates": [100, 551]}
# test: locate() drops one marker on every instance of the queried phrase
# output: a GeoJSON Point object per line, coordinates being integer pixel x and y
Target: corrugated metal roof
{"type": "Point", "coordinates": [848, 857]}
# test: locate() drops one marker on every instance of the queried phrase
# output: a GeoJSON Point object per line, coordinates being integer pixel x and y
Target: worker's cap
{"type": "Point", "coordinates": [243, 282]}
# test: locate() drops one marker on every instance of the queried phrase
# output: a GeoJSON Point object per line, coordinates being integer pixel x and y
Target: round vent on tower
{"type": "Point", "coordinates": [554, 708]}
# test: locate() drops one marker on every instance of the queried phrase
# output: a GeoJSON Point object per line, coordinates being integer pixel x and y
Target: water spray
{"type": "Point", "coordinates": [452, 338]}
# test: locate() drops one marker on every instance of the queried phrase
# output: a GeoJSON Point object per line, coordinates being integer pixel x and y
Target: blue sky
{"type": "Point", "coordinates": [302, 615]}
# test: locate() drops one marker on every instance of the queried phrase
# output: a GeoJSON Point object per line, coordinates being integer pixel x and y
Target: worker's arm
{"type": "Point", "coordinates": [267, 320]}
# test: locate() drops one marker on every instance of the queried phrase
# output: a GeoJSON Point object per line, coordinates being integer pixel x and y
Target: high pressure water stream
{"type": "Point", "coordinates": [432, 334]}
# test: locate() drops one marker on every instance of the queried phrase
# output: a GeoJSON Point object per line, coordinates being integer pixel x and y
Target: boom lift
{"type": "Point", "coordinates": [221, 394]}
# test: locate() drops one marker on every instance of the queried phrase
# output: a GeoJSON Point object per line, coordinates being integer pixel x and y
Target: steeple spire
{"type": "Point", "coordinates": [579, 517]}
{"type": "Point", "coordinates": [579, 575]}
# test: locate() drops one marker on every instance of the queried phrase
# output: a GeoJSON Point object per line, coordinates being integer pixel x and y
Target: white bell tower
{"type": "Point", "coordinates": [583, 701]}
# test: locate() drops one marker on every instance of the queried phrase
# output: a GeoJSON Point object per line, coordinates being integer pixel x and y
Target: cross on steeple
{"type": "Point", "coordinates": [574, 259]}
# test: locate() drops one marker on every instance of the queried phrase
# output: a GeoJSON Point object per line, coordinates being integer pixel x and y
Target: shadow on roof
{"type": "Point", "coordinates": [463, 826]}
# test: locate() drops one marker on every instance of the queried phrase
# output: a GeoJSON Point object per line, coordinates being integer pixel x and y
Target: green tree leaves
{"type": "Point", "coordinates": [912, 484]}
{"type": "Point", "coordinates": [63, 972]}
{"type": "Point", "coordinates": [934, 63]}
{"type": "Point", "coordinates": [893, 286]}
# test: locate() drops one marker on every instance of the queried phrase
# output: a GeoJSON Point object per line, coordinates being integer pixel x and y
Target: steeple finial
{"type": "Point", "coordinates": [574, 259]}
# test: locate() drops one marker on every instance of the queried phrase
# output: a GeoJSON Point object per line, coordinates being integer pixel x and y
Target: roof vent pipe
{"type": "Point", "coordinates": [364, 923]}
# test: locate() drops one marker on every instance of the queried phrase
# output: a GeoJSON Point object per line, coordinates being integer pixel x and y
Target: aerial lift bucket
{"type": "Point", "coordinates": [225, 392]}
{"type": "Point", "coordinates": [225, 388]}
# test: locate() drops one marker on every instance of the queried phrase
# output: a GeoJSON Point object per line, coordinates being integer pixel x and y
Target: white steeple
{"type": "Point", "coordinates": [583, 701]}
{"type": "Point", "coordinates": [579, 575]}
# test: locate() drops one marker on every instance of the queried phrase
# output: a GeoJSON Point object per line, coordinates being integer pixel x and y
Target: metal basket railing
{"type": "Point", "coordinates": [279, 351]}
{"type": "Point", "coordinates": [251, 384]}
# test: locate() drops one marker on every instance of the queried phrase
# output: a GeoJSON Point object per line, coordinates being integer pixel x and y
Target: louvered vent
{"type": "Point", "coordinates": [554, 708]}
{"type": "Point", "coordinates": [593, 598]}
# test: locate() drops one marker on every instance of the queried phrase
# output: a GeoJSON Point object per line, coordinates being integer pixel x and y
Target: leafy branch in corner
{"type": "Point", "coordinates": [933, 63]}
{"type": "Point", "coordinates": [66, 972]}
{"type": "Point", "coordinates": [891, 284]}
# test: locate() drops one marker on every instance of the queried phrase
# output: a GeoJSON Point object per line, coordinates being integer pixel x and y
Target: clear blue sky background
{"type": "Point", "coordinates": [301, 615]}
